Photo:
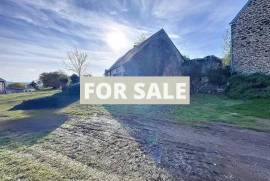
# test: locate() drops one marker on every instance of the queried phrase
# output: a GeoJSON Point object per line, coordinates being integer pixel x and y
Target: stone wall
{"type": "Point", "coordinates": [201, 65]}
{"type": "Point", "coordinates": [199, 69]}
{"type": "Point", "coordinates": [251, 39]}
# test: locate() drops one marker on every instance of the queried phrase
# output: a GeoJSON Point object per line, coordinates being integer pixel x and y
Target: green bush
{"type": "Point", "coordinates": [74, 79]}
{"type": "Point", "coordinates": [54, 80]}
{"type": "Point", "coordinates": [249, 86]}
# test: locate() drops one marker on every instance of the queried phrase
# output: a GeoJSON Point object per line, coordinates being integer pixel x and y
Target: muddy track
{"type": "Point", "coordinates": [138, 149]}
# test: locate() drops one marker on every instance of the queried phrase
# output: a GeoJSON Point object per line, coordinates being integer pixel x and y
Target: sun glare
{"type": "Point", "coordinates": [117, 40]}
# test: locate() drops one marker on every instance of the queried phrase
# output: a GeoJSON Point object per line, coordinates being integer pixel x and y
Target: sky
{"type": "Point", "coordinates": [35, 35]}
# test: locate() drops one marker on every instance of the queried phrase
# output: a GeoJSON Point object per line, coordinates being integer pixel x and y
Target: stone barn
{"type": "Point", "coordinates": [251, 38]}
{"type": "Point", "coordinates": [2, 86]}
{"type": "Point", "coordinates": [156, 56]}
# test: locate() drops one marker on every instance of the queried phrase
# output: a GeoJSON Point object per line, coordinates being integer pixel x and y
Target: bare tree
{"type": "Point", "coordinates": [76, 62]}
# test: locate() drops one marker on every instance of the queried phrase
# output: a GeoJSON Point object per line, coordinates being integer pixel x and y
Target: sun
{"type": "Point", "coordinates": [117, 40]}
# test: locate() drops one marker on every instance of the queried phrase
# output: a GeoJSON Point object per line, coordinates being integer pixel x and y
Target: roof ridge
{"type": "Point", "coordinates": [141, 45]}
{"type": "Point", "coordinates": [153, 36]}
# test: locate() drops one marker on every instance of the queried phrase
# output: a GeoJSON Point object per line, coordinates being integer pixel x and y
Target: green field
{"type": "Point", "coordinates": [28, 154]}
{"type": "Point", "coordinates": [253, 114]}
{"type": "Point", "coordinates": [9, 101]}
{"type": "Point", "coordinates": [24, 152]}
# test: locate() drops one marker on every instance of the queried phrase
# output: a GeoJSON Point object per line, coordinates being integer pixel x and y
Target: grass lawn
{"type": "Point", "coordinates": [252, 114]}
{"type": "Point", "coordinates": [24, 154]}
{"type": "Point", "coordinates": [10, 100]}
{"type": "Point", "coordinates": [29, 156]}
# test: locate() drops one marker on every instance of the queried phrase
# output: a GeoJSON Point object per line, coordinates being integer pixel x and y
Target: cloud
{"type": "Point", "coordinates": [35, 35]}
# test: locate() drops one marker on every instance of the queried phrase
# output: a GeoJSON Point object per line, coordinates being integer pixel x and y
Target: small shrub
{"type": "Point", "coordinates": [249, 86]}
{"type": "Point", "coordinates": [74, 79]}
{"type": "Point", "coordinates": [34, 85]}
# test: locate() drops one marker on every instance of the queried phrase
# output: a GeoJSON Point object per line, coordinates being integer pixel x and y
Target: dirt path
{"type": "Point", "coordinates": [138, 149]}
{"type": "Point", "coordinates": [131, 148]}
{"type": "Point", "coordinates": [204, 152]}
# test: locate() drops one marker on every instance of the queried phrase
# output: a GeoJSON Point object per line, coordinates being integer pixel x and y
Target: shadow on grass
{"type": "Point", "coordinates": [28, 131]}
{"type": "Point", "coordinates": [140, 119]}
{"type": "Point", "coordinates": [152, 129]}
{"type": "Point", "coordinates": [56, 101]}
{"type": "Point", "coordinates": [42, 118]}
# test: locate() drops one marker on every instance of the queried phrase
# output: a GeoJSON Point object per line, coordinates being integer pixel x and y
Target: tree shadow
{"type": "Point", "coordinates": [28, 131]}
{"type": "Point", "coordinates": [131, 116]}
{"type": "Point", "coordinates": [153, 131]}
{"type": "Point", "coordinates": [42, 118]}
{"type": "Point", "coordinates": [56, 101]}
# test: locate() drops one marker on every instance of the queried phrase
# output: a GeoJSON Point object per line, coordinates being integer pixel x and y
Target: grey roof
{"type": "Point", "coordinates": [130, 54]}
{"type": "Point", "coordinates": [2, 80]}
{"type": "Point", "coordinates": [243, 9]}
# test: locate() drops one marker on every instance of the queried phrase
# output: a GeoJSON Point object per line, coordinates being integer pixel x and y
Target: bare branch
{"type": "Point", "coordinates": [76, 62]}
